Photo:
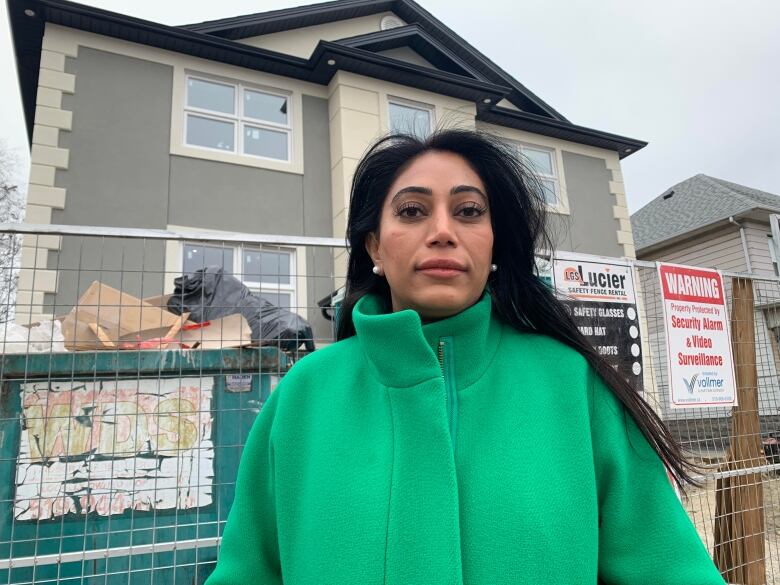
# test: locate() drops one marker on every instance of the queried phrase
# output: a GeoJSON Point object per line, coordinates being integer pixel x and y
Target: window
{"type": "Point", "coordinates": [542, 162]}
{"type": "Point", "coordinates": [773, 254]}
{"type": "Point", "coordinates": [197, 256]}
{"type": "Point", "coordinates": [269, 271]}
{"type": "Point", "coordinates": [409, 118]}
{"type": "Point", "coordinates": [238, 119]}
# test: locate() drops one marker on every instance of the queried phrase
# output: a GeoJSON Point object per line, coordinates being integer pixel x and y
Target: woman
{"type": "Point", "coordinates": [461, 430]}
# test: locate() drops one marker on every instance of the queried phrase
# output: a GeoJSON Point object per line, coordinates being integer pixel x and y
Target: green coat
{"type": "Point", "coordinates": [461, 451]}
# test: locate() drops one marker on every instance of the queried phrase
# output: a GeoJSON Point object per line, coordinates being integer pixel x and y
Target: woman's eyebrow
{"type": "Point", "coordinates": [467, 188]}
{"type": "Point", "coordinates": [427, 191]}
{"type": "Point", "coordinates": [413, 189]}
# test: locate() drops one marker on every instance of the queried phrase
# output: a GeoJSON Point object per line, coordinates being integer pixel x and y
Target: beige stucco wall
{"type": "Point", "coordinates": [46, 157]}
{"type": "Point", "coordinates": [300, 42]}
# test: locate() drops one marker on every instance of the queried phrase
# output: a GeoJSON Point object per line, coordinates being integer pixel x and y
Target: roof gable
{"type": "Point", "coordinates": [254, 25]}
{"type": "Point", "coordinates": [263, 23]}
{"type": "Point", "coordinates": [694, 204]}
{"type": "Point", "coordinates": [407, 55]}
{"type": "Point", "coordinates": [414, 37]}
{"type": "Point", "coordinates": [301, 41]}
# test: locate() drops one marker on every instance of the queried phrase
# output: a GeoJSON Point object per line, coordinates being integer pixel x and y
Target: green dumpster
{"type": "Point", "coordinates": [120, 467]}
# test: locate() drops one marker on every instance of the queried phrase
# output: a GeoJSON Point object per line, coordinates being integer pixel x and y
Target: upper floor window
{"type": "Point", "coordinates": [269, 271]}
{"type": "Point", "coordinates": [410, 118]}
{"type": "Point", "coordinates": [542, 162]}
{"type": "Point", "coordinates": [236, 118]}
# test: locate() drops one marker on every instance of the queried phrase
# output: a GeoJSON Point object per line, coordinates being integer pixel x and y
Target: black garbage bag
{"type": "Point", "coordinates": [209, 293]}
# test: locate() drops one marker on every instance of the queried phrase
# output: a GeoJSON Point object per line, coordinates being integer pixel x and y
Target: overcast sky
{"type": "Point", "coordinates": [697, 79]}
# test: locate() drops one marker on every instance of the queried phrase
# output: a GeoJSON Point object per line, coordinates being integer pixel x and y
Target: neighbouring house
{"type": "Point", "coordinates": [712, 223]}
{"type": "Point", "coordinates": [255, 124]}
{"type": "Point", "coordinates": [704, 221]}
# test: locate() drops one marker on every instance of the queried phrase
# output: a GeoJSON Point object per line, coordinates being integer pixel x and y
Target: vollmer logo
{"type": "Point", "coordinates": [707, 381]}
{"type": "Point", "coordinates": [690, 385]}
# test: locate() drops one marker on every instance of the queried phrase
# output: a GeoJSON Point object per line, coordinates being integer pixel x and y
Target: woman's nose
{"type": "Point", "coordinates": [442, 229]}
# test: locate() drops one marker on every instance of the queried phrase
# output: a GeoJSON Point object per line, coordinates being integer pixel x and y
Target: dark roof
{"type": "Point", "coordinates": [694, 204]}
{"type": "Point", "coordinates": [563, 130]}
{"type": "Point", "coordinates": [463, 72]}
{"type": "Point", "coordinates": [266, 22]}
{"type": "Point", "coordinates": [413, 36]}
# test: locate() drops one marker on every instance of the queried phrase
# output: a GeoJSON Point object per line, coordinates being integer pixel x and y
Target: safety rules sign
{"type": "Point", "coordinates": [599, 293]}
{"type": "Point", "coordinates": [701, 366]}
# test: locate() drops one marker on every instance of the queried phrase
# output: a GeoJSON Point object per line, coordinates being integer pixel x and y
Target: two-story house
{"type": "Point", "coordinates": [255, 124]}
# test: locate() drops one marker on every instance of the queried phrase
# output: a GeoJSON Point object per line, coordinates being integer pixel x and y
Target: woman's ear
{"type": "Point", "coordinates": [372, 247]}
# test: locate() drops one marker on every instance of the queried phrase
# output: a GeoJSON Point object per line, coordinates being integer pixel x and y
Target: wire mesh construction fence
{"type": "Point", "coordinates": [134, 363]}
{"type": "Point", "coordinates": [132, 371]}
{"type": "Point", "coordinates": [737, 509]}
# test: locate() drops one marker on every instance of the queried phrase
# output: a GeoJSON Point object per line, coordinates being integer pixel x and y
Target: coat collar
{"type": "Point", "coordinates": [404, 352]}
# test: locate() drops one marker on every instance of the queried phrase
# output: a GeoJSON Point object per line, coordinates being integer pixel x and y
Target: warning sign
{"type": "Point", "coordinates": [701, 366]}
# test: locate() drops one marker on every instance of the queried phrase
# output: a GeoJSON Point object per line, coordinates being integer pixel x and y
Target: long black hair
{"type": "Point", "coordinates": [519, 221]}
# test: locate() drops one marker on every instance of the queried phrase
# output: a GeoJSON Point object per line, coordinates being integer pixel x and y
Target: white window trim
{"type": "Point", "coordinates": [560, 184]}
{"type": "Point", "coordinates": [238, 267]}
{"type": "Point", "coordinates": [399, 101]}
{"type": "Point", "coordinates": [239, 119]}
{"type": "Point", "coordinates": [271, 287]}
{"type": "Point", "coordinates": [174, 265]}
{"type": "Point", "coordinates": [180, 109]}
{"type": "Point", "coordinates": [549, 177]}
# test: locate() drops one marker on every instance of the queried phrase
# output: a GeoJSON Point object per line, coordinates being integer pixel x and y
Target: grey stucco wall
{"type": "Point", "coordinates": [119, 144]}
{"type": "Point", "coordinates": [117, 174]}
{"type": "Point", "coordinates": [121, 174]}
{"type": "Point", "coordinates": [590, 228]}
{"type": "Point", "coordinates": [558, 226]}
{"type": "Point", "coordinates": [222, 196]}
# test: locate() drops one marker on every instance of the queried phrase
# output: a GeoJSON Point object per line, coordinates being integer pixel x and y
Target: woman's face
{"type": "Point", "coordinates": [435, 238]}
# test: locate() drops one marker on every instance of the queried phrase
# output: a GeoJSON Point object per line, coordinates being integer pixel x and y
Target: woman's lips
{"type": "Point", "coordinates": [440, 268]}
{"type": "Point", "coordinates": [441, 272]}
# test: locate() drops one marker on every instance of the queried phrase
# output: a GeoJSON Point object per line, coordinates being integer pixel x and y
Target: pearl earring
{"type": "Point", "coordinates": [493, 267]}
{"type": "Point", "coordinates": [376, 270]}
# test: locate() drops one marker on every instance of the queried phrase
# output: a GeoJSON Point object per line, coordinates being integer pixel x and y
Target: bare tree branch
{"type": "Point", "coordinates": [12, 211]}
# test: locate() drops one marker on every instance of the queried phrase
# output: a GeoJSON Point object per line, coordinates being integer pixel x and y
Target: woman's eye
{"type": "Point", "coordinates": [410, 211]}
{"type": "Point", "coordinates": [472, 211]}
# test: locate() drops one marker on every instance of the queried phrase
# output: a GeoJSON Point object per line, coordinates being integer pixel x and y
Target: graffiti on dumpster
{"type": "Point", "coordinates": [109, 446]}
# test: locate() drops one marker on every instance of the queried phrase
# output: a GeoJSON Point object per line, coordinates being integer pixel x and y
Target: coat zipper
{"type": "Point", "coordinates": [448, 375]}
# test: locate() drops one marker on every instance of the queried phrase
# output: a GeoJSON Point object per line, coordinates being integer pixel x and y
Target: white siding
{"type": "Point", "coordinates": [721, 249]}
{"type": "Point", "coordinates": [758, 245]}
